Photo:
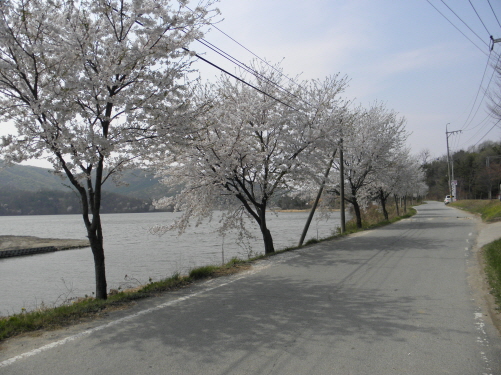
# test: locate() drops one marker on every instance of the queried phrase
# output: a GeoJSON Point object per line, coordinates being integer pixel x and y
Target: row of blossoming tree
{"type": "Point", "coordinates": [97, 86]}
{"type": "Point", "coordinates": [253, 143]}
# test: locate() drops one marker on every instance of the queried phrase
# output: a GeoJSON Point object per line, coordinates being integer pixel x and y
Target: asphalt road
{"type": "Point", "coordinates": [396, 300]}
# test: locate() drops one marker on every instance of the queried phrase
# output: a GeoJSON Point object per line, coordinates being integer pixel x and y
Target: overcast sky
{"type": "Point", "coordinates": [402, 53]}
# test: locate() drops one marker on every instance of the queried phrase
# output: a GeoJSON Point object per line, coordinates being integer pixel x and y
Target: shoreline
{"type": "Point", "coordinates": [27, 245]}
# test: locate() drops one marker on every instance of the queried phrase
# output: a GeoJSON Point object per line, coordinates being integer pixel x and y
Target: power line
{"type": "Point", "coordinates": [254, 72]}
{"type": "Point", "coordinates": [259, 58]}
{"type": "Point", "coordinates": [480, 123]}
{"type": "Point", "coordinates": [487, 132]}
{"type": "Point", "coordinates": [246, 67]}
{"type": "Point", "coordinates": [243, 66]}
{"type": "Point", "coordinates": [464, 23]}
{"type": "Point", "coordinates": [225, 71]}
{"type": "Point", "coordinates": [252, 53]}
{"type": "Point", "coordinates": [478, 92]}
{"type": "Point", "coordinates": [478, 132]}
{"type": "Point", "coordinates": [443, 15]}
{"type": "Point", "coordinates": [492, 76]}
{"type": "Point", "coordinates": [479, 18]}
{"type": "Point", "coordinates": [465, 125]}
{"type": "Point", "coordinates": [486, 89]}
{"type": "Point", "coordinates": [239, 79]}
{"type": "Point", "coordinates": [489, 1]}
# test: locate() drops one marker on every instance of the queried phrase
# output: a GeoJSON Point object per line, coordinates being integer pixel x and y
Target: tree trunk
{"type": "Point", "coordinates": [396, 204]}
{"type": "Point", "coordinates": [91, 199]}
{"type": "Point", "coordinates": [95, 230]}
{"type": "Point", "coordinates": [382, 198]}
{"type": "Point", "coordinates": [267, 238]}
{"type": "Point", "coordinates": [268, 241]}
{"type": "Point", "coordinates": [405, 204]}
{"type": "Point", "coordinates": [358, 213]}
{"type": "Point", "coordinates": [310, 217]}
{"type": "Point", "coordinates": [341, 187]}
{"type": "Point", "coordinates": [96, 245]}
{"type": "Point", "coordinates": [259, 214]}
{"type": "Point", "coordinates": [315, 204]}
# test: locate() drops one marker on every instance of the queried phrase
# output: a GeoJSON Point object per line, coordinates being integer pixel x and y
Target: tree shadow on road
{"type": "Point", "coordinates": [264, 313]}
{"type": "Point", "coordinates": [300, 303]}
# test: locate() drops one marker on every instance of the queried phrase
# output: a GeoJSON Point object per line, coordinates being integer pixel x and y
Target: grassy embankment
{"type": "Point", "coordinates": [489, 211]}
{"type": "Point", "coordinates": [89, 308]}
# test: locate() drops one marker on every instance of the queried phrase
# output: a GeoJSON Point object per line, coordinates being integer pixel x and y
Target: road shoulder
{"type": "Point", "coordinates": [487, 233]}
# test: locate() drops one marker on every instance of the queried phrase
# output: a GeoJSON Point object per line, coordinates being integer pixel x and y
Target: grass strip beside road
{"type": "Point", "coordinates": [84, 309]}
{"type": "Point", "coordinates": [492, 256]}
{"type": "Point", "coordinates": [489, 210]}
{"type": "Point", "coordinates": [88, 308]}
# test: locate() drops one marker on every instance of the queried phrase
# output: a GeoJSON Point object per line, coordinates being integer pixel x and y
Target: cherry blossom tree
{"type": "Point", "coordinates": [250, 146]}
{"type": "Point", "coordinates": [402, 175]}
{"type": "Point", "coordinates": [411, 181]}
{"type": "Point", "coordinates": [91, 85]}
{"type": "Point", "coordinates": [369, 139]}
{"type": "Point", "coordinates": [320, 176]}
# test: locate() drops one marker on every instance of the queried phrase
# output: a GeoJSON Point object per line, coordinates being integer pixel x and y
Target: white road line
{"type": "Point", "coordinates": [482, 340]}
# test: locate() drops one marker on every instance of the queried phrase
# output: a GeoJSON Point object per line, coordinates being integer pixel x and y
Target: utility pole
{"type": "Point", "coordinates": [341, 186]}
{"type": "Point", "coordinates": [447, 133]}
{"type": "Point", "coordinates": [448, 158]}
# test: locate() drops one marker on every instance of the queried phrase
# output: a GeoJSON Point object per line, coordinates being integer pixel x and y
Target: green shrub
{"type": "Point", "coordinates": [312, 241]}
{"type": "Point", "coordinates": [235, 262]}
{"type": "Point", "coordinates": [202, 272]}
{"type": "Point", "coordinates": [175, 281]}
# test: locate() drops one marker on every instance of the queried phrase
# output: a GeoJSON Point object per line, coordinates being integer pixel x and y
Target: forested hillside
{"type": "Point", "coordinates": [477, 172]}
{"type": "Point", "coordinates": [52, 202]}
{"type": "Point", "coordinates": [135, 183]}
{"type": "Point", "coordinates": [27, 190]}
{"type": "Point", "coordinates": [28, 178]}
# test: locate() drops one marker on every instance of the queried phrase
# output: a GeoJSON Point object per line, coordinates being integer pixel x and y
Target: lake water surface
{"type": "Point", "coordinates": [133, 255]}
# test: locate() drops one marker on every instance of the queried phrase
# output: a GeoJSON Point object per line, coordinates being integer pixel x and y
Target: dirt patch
{"type": "Point", "coordinates": [30, 242]}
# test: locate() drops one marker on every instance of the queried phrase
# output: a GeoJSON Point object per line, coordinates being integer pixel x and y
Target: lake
{"type": "Point", "coordinates": [133, 254]}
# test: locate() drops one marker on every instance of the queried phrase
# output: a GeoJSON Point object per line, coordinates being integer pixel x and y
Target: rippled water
{"type": "Point", "coordinates": [130, 250]}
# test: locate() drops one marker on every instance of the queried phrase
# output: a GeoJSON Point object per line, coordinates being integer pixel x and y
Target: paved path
{"type": "Point", "coordinates": [395, 300]}
{"type": "Point", "coordinates": [488, 233]}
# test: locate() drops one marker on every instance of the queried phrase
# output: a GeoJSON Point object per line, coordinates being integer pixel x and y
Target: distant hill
{"type": "Point", "coordinates": [28, 190]}
{"type": "Point", "coordinates": [138, 183]}
{"type": "Point", "coordinates": [53, 202]}
{"type": "Point", "coordinates": [27, 178]}
{"type": "Point", "coordinates": [135, 183]}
